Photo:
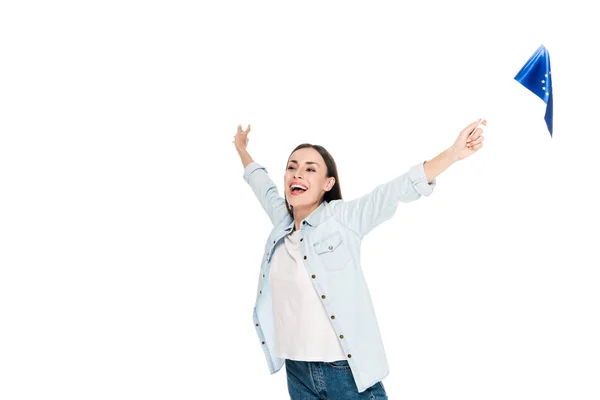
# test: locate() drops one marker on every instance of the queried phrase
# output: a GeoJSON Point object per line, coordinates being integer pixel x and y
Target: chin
{"type": "Point", "coordinates": [299, 204]}
{"type": "Point", "coordinates": [294, 202]}
{"type": "Point", "coordinates": [300, 201]}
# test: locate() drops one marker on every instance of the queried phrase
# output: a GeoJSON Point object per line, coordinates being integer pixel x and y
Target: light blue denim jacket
{"type": "Point", "coordinates": [330, 239]}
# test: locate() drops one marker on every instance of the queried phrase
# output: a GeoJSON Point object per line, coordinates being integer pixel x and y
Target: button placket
{"type": "Point", "coordinates": [313, 276]}
{"type": "Point", "coordinates": [259, 332]}
{"type": "Point", "coordinates": [341, 336]}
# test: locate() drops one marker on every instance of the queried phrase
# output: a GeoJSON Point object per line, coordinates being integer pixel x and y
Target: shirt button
{"type": "Point", "coordinates": [323, 296]}
{"type": "Point", "coordinates": [303, 222]}
{"type": "Point", "coordinates": [263, 342]}
{"type": "Point", "coordinates": [301, 239]}
{"type": "Point", "coordinates": [260, 292]}
{"type": "Point", "coordinates": [273, 242]}
{"type": "Point", "coordinates": [333, 317]}
{"type": "Point", "coordinates": [349, 355]}
{"type": "Point", "coordinates": [341, 336]}
{"type": "Point", "coordinates": [256, 324]}
{"type": "Point", "coordinates": [305, 257]}
{"type": "Point", "coordinates": [330, 247]}
{"type": "Point", "coordinates": [314, 276]}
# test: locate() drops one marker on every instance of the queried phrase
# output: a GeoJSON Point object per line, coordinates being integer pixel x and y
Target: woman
{"type": "Point", "coordinates": [313, 311]}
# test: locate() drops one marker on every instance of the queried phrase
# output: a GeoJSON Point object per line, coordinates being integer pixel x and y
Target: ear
{"type": "Point", "coordinates": [329, 184]}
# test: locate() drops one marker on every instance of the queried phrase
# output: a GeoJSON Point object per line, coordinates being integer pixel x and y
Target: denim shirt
{"type": "Point", "coordinates": [330, 239]}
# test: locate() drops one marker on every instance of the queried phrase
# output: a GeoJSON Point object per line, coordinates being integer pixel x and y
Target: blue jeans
{"type": "Point", "coordinates": [317, 380]}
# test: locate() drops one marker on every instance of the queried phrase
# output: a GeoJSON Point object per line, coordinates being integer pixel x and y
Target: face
{"type": "Point", "coordinates": [306, 178]}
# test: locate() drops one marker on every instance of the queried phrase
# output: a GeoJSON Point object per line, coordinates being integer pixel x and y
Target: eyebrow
{"type": "Point", "coordinates": [308, 162]}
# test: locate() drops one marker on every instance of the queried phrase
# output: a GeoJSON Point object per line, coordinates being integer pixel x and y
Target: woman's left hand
{"type": "Point", "coordinates": [467, 143]}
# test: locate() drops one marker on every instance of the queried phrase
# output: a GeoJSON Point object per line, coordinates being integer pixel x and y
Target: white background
{"type": "Point", "coordinates": [130, 245]}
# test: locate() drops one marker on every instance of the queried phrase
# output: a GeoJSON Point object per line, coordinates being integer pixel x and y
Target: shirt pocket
{"type": "Point", "coordinates": [332, 251]}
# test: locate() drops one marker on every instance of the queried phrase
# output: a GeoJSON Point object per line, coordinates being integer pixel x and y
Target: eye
{"type": "Point", "coordinates": [290, 167]}
{"type": "Point", "coordinates": [311, 169]}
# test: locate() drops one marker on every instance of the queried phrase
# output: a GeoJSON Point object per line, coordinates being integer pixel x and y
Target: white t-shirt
{"type": "Point", "coordinates": [303, 331]}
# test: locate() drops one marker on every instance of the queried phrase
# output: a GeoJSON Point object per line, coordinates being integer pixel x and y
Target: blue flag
{"type": "Point", "coordinates": [536, 76]}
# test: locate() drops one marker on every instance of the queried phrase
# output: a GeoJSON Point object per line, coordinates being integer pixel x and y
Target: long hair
{"type": "Point", "coordinates": [335, 193]}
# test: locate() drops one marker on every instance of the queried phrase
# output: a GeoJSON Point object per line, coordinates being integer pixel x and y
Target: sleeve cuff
{"type": "Point", "coordinates": [419, 180]}
{"type": "Point", "coordinates": [250, 168]}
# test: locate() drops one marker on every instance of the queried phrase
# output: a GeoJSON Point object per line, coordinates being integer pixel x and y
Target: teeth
{"type": "Point", "coordinates": [298, 186]}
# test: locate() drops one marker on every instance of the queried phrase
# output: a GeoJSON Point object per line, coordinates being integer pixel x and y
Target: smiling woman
{"type": "Point", "coordinates": [311, 177]}
{"type": "Point", "coordinates": [313, 310]}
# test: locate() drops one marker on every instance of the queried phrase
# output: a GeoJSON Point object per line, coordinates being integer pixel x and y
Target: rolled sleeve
{"type": "Point", "coordinates": [418, 179]}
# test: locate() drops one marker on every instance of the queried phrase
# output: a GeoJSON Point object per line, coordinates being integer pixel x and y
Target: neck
{"type": "Point", "coordinates": [303, 212]}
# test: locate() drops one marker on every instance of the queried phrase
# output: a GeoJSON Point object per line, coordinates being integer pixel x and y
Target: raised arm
{"type": "Point", "coordinates": [370, 210]}
{"type": "Point", "coordinates": [257, 177]}
{"type": "Point", "coordinates": [240, 139]}
{"type": "Point", "coordinates": [366, 212]}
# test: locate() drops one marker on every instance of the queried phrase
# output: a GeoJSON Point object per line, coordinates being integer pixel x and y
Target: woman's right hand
{"type": "Point", "coordinates": [241, 138]}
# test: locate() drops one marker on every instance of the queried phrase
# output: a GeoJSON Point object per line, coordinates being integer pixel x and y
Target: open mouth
{"type": "Point", "coordinates": [296, 189]}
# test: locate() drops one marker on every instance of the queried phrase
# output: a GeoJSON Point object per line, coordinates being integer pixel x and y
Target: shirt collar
{"type": "Point", "coordinates": [313, 219]}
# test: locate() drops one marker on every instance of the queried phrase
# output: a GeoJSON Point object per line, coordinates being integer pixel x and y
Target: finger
{"type": "Point", "coordinates": [475, 141]}
{"type": "Point", "coordinates": [483, 125]}
{"type": "Point", "coordinates": [478, 130]}
{"type": "Point", "coordinates": [477, 147]}
{"type": "Point", "coordinates": [247, 129]}
{"type": "Point", "coordinates": [475, 135]}
{"type": "Point", "coordinates": [239, 128]}
{"type": "Point", "coordinates": [469, 128]}
{"type": "Point", "coordinates": [473, 124]}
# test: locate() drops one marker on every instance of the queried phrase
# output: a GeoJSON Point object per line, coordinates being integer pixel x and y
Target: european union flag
{"type": "Point", "coordinates": [536, 76]}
